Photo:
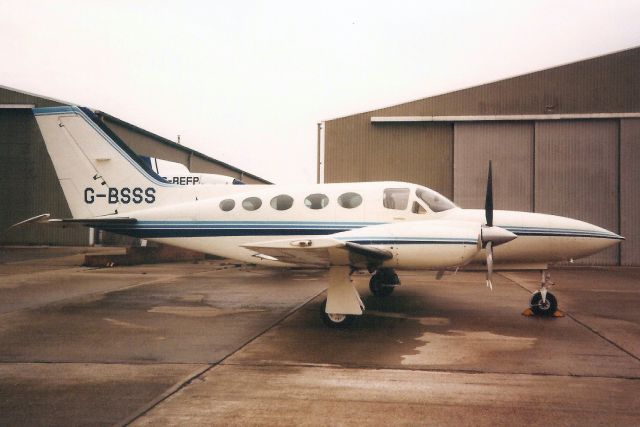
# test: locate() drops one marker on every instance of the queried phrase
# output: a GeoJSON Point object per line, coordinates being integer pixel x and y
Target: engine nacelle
{"type": "Point", "coordinates": [430, 244]}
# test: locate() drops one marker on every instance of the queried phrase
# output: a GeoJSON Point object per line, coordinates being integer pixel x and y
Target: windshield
{"type": "Point", "coordinates": [436, 201]}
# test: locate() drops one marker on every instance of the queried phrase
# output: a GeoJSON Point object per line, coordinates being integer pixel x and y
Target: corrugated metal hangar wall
{"type": "Point", "coordinates": [28, 182]}
{"type": "Point", "coordinates": [564, 141]}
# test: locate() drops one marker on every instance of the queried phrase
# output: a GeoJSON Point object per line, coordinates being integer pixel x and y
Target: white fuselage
{"type": "Point", "coordinates": [305, 211]}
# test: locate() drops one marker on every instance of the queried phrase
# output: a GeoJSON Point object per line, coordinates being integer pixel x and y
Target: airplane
{"type": "Point", "coordinates": [380, 227]}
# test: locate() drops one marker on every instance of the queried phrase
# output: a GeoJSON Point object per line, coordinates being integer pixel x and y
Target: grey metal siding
{"type": "Point", "coordinates": [9, 96]}
{"type": "Point", "coordinates": [418, 153]}
{"type": "Point", "coordinates": [576, 175]}
{"type": "Point", "coordinates": [630, 191]}
{"type": "Point", "coordinates": [510, 147]}
{"type": "Point", "coordinates": [30, 186]}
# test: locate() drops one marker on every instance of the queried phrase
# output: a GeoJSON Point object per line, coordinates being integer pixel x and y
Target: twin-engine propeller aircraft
{"type": "Point", "coordinates": [377, 226]}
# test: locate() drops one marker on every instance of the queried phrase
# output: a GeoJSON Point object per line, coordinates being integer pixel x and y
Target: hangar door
{"type": "Point", "coordinates": [630, 191]}
{"type": "Point", "coordinates": [576, 175]}
{"type": "Point", "coordinates": [510, 147]}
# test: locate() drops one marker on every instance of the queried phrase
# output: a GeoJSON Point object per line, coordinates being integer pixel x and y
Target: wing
{"type": "Point", "coordinates": [322, 251]}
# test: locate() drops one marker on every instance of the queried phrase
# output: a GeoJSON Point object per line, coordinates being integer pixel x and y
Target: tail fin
{"type": "Point", "coordinates": [98, 173]}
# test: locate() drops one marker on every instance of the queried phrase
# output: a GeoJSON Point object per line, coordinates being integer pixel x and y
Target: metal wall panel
{"type": "Point", "coordinates": [29, 185]}
{"type": "Point", "coordinates": [630, 191]}
{"type": "Point", "coordinates": [418, 153]}
{"type": "Point", "coordinates": [510, 148]}
{"type": "Point", "coordinates": [576, 175]}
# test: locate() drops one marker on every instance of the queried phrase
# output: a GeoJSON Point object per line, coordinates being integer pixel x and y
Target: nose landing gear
{"type": "Point", "coordinates": [543, 302]}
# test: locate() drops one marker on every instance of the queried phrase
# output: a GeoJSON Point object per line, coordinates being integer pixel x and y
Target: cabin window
{"type": "Point", "coordinates": [251, 203]}
{"type": "Point", "coordinates": [227, 204]}
{"type": "Point", "coordinates": [316, 201]}
{"type": "Point", "coordinates": [417, 208]}
{"type": "Point", "coordinates": [282, 202]}
{"type": "Point", "coordinates": [350, 200]}
{"type": "Point", "coordinates": [396, 198]}
{"type": "Point", "coordinates": [436, 201]}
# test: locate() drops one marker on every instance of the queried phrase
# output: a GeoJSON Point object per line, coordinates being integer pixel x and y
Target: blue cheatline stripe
{"type": "Point", "coordinates": [159, 229]}
{"type": "Point", "coordinates": [561, 232]}
{"type": "Point", "coordinates": [46, 111]}
{"type": "Point", "coordinates": [409, 241]}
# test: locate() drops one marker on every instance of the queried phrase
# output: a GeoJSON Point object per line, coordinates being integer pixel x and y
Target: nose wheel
{"type": "Point", "coordinates": [543, 302]}
{"type": "Point", "coordinates": [543, 307]}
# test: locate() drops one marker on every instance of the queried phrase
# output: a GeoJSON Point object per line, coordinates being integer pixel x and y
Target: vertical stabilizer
{"type": "Point", "coordinates": [98, 173]}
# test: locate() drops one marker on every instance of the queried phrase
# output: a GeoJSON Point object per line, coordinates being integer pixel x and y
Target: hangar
{"type": "Point", "coordinates": [28, 183]}
{"type": "Point", "coordinates": [564, 140]}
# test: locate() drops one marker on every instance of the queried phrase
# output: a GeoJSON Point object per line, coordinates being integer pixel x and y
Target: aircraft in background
{"type": "Point", "coordinates": [378, 226]}
{"type": "Point", "coordinates": [177, 173]}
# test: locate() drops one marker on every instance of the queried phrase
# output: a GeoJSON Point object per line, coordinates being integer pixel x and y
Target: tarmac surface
{"type": "Point", "coordinates": [215, 343]}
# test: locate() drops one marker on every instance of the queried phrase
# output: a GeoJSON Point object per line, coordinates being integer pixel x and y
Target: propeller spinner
{"type": "Point", "coordinates": [490, 235]}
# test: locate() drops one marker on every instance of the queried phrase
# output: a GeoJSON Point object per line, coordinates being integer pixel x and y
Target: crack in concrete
{"type": "Point", "coordinates": [190, 379]}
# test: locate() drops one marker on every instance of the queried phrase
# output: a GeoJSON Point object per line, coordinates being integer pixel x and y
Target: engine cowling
{"type": "Point", "coordinates": [431, 244]}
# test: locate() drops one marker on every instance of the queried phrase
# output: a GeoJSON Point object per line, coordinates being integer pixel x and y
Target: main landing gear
{"type": "Point", "coordinates": [543, 302]}
{"type": "Point", "coordinates": [336, 321]}
{"type": "Point", "coordinates": [383, 282]}
{"type": "Point", "coordinates": [343, 304]}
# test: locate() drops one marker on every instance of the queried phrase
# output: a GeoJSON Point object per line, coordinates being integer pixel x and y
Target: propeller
{"type": "Point", "coordinates": [488, 199]}
{"type": "Point", "coordinates": [490, 235]}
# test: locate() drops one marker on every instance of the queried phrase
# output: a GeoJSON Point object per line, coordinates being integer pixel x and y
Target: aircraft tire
{"type": "Point", "coordinates": [540, 309]}
{"type": "Point", "coordinates": [336, 321]}
{"type": "Point", "coordinates": [377, 286]}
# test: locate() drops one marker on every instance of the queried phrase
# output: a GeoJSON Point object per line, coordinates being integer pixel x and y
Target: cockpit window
{"type": "Point", "coordinates": [396, 198]}
{"type": "Point", "coordinates": [417, 208]}
{"type": "Point", "coordinates": [436, 201]}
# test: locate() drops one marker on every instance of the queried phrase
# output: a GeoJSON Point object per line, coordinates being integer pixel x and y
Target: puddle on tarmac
{"type": "Point", "coordinates": [463, 346]}
{"type": "Point", "coordinates": [188, 311]}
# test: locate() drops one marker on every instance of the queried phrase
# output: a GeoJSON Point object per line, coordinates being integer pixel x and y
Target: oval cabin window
{"type": "Point", "coordinates": [282, 202]}
{"type": "Point", "coordinates": [350, 200]}
{"type": "Point", "coordinates": [251, 203]}
{"type": "Point", "coordinates": [227, 204]}
{"type": "Point", "coordinates": [316, 201]}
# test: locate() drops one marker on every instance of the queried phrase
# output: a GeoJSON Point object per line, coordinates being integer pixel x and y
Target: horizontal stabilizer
{"type": "Point", "coordinates": [89, 222]}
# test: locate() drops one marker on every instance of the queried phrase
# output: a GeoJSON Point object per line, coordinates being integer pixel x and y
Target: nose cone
{"type": "Point", "coordinates": [589, 239]}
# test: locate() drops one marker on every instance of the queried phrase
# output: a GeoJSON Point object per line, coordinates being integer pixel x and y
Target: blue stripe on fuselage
{"type": "Point", "coordinates": [168, 229]}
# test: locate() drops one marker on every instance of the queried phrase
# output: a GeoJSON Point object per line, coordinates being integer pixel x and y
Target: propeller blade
{"type": "Point", "coordinates": [488, 201]}
{"type": "Point", "coordinates": [489, 250]}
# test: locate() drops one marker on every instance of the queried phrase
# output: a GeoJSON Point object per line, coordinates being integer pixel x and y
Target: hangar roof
{"type": "Point", "coordinates": [137, 137]}
{"type": "Point", "coordinates": [604, 84]}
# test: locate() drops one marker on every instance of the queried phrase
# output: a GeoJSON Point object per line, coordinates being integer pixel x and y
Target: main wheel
{"type": "Point", "coordinates": [380, 281]}
{"type": "Point", "coordinates": [547, 308]}
{"type": "Point", "coordinates": [337, 321]}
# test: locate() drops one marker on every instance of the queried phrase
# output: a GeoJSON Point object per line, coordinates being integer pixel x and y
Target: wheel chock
{"type": "Point", "coordinates": [527, 312]}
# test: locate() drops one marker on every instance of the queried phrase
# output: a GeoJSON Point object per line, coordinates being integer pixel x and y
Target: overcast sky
{"type": "Point", "coordinates": [246, 82]}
